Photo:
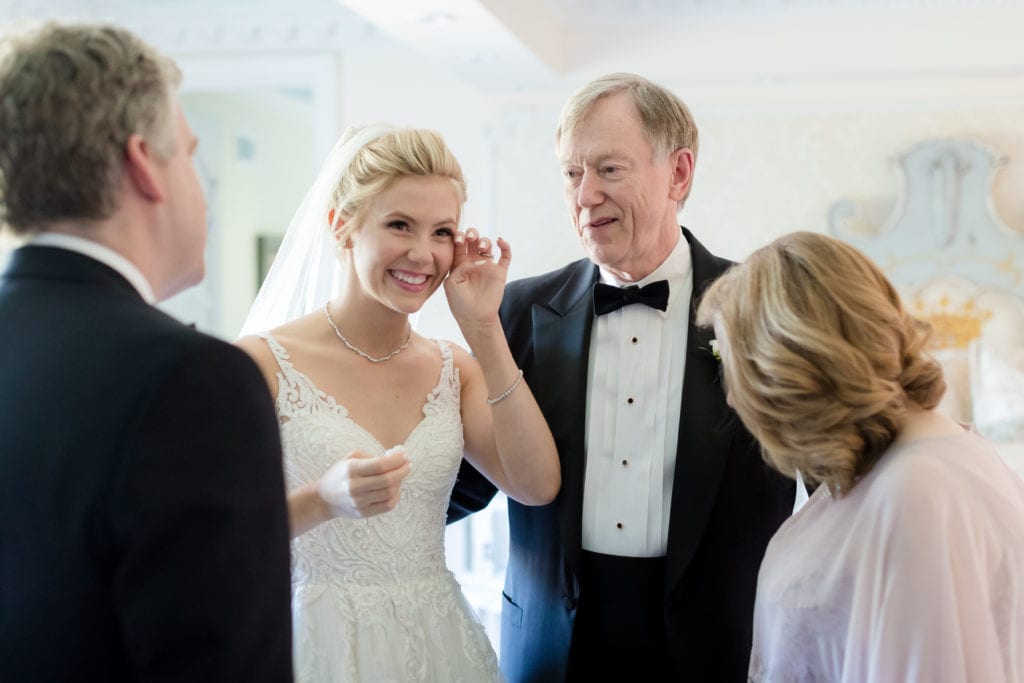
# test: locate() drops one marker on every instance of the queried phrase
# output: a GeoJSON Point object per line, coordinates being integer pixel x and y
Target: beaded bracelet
{"type": "Point", "coordinates": [508, 392]}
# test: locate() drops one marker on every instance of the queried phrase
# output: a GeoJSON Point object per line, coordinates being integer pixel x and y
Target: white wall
{"type": "Point", "coordinates": [764, 173]}
{"type": "Point", "coordinates": [251, 196]}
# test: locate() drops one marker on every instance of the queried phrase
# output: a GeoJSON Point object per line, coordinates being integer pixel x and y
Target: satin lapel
{"type": "Point", "coordinates": [702, 450]}
{"type": "Point", "coordinates": [561, 338]}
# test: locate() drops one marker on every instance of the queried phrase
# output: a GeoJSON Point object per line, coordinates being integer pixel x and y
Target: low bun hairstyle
{"type": "Point", "coordinates": [821, 360]}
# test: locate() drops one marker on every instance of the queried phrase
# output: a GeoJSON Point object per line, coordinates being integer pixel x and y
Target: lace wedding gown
{"type": "Point", "coordinates": [372, 599]}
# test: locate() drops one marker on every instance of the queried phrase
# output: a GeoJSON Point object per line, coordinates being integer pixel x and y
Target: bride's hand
{"type": "Point", "coordinates": [476, 283]}
{"type": "Point", "coordinates": [361, 485]}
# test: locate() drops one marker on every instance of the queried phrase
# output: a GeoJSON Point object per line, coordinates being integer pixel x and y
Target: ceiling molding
{"type": "Point", "coordinates": [211, 26]}
{"type": "Point", "coordinates": [510, 48]}
{"type": "Point", "coordinates": [618, 11]}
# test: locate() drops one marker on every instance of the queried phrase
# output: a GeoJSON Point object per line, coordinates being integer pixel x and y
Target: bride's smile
{"type": "Point", "coordinates": [401, 249]}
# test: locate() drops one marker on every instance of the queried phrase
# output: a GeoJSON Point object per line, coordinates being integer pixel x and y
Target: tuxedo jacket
{"type": "Point", "coordinates": [143, 525]}
{"type": "Point", "coordinates": [726, 503]}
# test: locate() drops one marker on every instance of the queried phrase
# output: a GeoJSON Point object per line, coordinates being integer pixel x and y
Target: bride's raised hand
{"type": "Point", "coordinates": [361, 485]}
{"type": "Point", "coordinates": [476, 283]}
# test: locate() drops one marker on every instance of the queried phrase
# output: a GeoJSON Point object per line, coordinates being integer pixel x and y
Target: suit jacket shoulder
{"type": "Point", "coordinates": [706, 266]}
{"type": "Point", "coordinates": [142, 485]}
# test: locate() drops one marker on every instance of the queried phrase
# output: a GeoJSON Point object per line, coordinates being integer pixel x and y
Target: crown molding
{"type": "Point", "coordinates": [224, 26]}
{"type": "Point", "coordinates": [664, 10]}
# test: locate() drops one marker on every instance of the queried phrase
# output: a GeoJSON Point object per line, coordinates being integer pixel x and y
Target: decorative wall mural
{"type": "Point", "coordinates": [958, 265]}
{"type": "Point", "coordinates": [944, 222]}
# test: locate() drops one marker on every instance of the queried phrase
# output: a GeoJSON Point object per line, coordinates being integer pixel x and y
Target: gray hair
{"type": "Point", "coordinates": [668, 123]}
{"type": "Point", "coordinates": [70, 97]}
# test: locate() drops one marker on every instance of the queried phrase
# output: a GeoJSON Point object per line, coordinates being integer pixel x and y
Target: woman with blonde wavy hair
{"type": "Point", "coordinates": [907, 562]}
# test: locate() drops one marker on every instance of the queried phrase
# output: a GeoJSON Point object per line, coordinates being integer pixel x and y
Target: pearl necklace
{"type": "Point", "coordinates": [346, 342]}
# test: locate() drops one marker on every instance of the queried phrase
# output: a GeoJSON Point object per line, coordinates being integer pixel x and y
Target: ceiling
{"type": "Point", "coordinates": [532, 43]}
{"type": "Point", "coordinates": [517, 46]}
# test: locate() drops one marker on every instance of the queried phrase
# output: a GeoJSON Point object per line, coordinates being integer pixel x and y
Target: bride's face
{"type": "Point", "coordinates": [403, 247]}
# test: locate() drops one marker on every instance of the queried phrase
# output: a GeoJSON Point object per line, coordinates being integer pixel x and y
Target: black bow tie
{"type": "Point", "coordinates": [608, 298]}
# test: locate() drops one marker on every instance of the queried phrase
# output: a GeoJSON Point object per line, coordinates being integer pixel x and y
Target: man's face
{"type": "Point", "coordinates": [186, 207]}
{"type": "Point", "coordinates": [622, 199]}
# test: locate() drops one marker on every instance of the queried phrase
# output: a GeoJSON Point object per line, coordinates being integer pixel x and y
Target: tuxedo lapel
{"type": "Point", "coordinates": [702, 451]}
{"type": "Point", "coordinates": [561, 339]}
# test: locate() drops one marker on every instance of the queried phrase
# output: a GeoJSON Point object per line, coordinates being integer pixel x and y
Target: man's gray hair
{"type": "Point", "coordinates": [667, 122]}
{"type": "Point", "coordinates": [70, 97]}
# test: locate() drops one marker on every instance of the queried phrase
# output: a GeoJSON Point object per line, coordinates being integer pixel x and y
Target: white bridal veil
{"type": "Point", "coordinates": [306, 272]}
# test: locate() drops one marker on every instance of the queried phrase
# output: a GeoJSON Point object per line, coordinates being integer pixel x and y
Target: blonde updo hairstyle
{"type": "Point", "coordinates": [822, 360]}
{"type": "Point", "coordinates": [398, 154]}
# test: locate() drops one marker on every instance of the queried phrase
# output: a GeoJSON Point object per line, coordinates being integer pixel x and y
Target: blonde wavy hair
{"type": "Point", "coordinates": [397, 154]}
{"type": "Point", "coordinates": [667, 121]}
{"type": "Point", "coordinates": [821, 360]}
{"type": "Point", "coordinates": [70, 97]}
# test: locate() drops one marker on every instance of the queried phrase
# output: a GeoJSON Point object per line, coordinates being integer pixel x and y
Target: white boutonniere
{"type": "Point", "coordinates": [714, 350]}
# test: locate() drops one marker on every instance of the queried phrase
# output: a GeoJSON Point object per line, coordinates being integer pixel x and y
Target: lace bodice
{"type": "Point", "coordinates": [402, 545]}
{"type": "Point", "coordinates": [373, 599]}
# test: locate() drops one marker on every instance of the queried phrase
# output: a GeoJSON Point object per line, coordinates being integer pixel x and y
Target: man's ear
{"type": "Point", "coordinates": [141, 166]}
{"type": "Point", "coordinates": [682, 172]}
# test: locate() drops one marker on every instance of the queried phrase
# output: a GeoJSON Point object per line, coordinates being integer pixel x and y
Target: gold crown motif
{"type": "Point", "coordinates": [953, 326]}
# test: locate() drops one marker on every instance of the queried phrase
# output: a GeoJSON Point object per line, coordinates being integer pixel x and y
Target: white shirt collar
{"type": "Point", "coordinates": [98, 252]}
{"type": "Point", "coordinates": [676, 268]}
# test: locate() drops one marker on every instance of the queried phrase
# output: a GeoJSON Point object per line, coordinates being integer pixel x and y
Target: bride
{"type": "Point", "coordinates": [375, 418]}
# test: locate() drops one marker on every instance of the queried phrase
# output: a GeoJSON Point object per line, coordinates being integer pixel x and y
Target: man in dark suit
{"type": "Point", "coordinates": [143, 526]}
{"type": "Point", "coordinates": [644, 568]}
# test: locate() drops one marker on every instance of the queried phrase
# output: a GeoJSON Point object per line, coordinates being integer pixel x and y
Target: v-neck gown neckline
{"type": "Point", "coordinates": [373, 599]}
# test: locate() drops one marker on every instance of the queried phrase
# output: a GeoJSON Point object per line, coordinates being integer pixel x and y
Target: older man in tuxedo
{"type": "Point", "coordinates": [644, 568]}
{"type": "Point", "coordinates": [143, 527]}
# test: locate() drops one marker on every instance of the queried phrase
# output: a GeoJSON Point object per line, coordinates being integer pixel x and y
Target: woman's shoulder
{"type": "Point", "coordinates": [933, 458]}
{"type": "Point", "coordinates": [258, 349]}
{"type": "Point", "coordinates": [933, 478]}
{"type": "Point", "coordinates": [460, 356]}
{"type": "Point", "coordinates": [908, 464]}
{"type": "Point", "coordinates": [462, 360]}
{"type": "Point", "coordinates": [269, 348]}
